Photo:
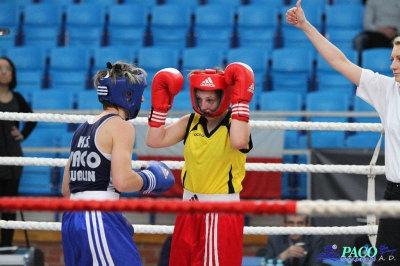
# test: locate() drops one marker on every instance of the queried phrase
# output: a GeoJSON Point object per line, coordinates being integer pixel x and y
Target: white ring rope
{"type": "Point", "coordinates": [318, 207]}
{"type": "Point", "coordinates": [65, 118]}
{"type": "Point", "coordinates": [248, 230]}
{"type": "Point", "coordinates": [262, 167]}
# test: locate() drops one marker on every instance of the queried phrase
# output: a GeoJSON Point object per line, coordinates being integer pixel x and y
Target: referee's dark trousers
{"type": "Point", "coordinates": [388, 239]}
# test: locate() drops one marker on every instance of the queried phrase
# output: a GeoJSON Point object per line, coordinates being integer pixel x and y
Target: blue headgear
{"type": "Point", "coordinates": [122, 93]}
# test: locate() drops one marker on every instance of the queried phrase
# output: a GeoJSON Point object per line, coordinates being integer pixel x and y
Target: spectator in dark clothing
{"type": "Point", "coordinates": [301, 250]}
{"type": "Point", "coordinates": [10, 139]}
{"type": "Point", "coordinates": [381, 24]}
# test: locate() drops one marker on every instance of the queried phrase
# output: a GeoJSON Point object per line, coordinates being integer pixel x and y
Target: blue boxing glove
{"type": "Point", "coordinates": [157, 178]}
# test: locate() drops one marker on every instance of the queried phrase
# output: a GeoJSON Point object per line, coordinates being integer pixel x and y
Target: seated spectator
{"type": "Point", "coordinates": [301, 250]}
{"type": "Point", "coordinates": [381, 24]}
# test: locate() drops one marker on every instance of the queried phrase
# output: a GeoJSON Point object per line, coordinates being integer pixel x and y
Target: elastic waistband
{"type": "Point", "coordinates": [187, 195]}
{"type": "Point", "coordinates": [95, 195]}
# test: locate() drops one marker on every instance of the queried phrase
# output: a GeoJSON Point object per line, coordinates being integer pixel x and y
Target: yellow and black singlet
{"type": "Point", "coordinates": [212, 166]}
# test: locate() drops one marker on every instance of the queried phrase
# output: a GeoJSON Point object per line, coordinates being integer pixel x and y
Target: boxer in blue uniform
{"type": "Point", "coordinates": [99, 168]}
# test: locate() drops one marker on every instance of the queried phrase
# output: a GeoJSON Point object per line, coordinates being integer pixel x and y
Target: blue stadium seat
{"type": "Point", "coordinates": [65, 143]}
{"type": "Point", "coordinates": [319, 3]}
{"type": "Point", "coordinates": [30, 62]}
{"type": "Point", "coordinates": [327, 101]}
{"type": "Point", "coordinates": [40, 138]}
{"type": "Point", "coordinates": [361, 139]}
{"type": "Point", "coordinates": [291, 35]}
{"type": "Point", "coordinates": [362, 106]}
{"type": "Point", "coordinates": [9, 40]}
{"type": "Point", "coordinates": [105, 3]}
{"type": "Point", "coordinates": [342, 38]}
{"type": "Point", "coordinates": [281, 101]}
{"type": "Point", "coordinates": [104, 54]}
{"type": "Point", "coordinates": [41, 143]}
{"type": "Point", "coordinates": [146, 105]}
{"type": "Point", "coordinates": [294, 185]}
{"type": "Point", "coordinates": [343, 22]}
{"type": "Point", "coordinates": [182, 102]}
{"type": "Point", "coordinates": [127, 25]}
{"type": "Point", "coordinates": [233, 3]}
{"type": "Point", "coordinates": [148, 3]}
{"type": "Point", "coordinates": [378, 60]}
{"type": "Point", "coordinates": [328, 78]}
{"type": "Point", "coordinates": [85, 25]}
{"type": "Point", "coordinates": [289, 72]}
{"type": "Point", "coordinates": [37, 181]}
{"type": "Point", "coordinates": [47, 100]}
{"type": "Point", "coordinates": [345, 15]}
{"type": "Point", "coordinates": [171, 25]}
{"type": "Point", "coordinates": [65, 140]}
{"type": "Point", "coordinates": [69, 72]}
{"type": "Point", "coordinates": [200, 58]}
{"type": "Point", "coordinates": [42, 25]}
{"type": "Point", "coordinates": [284, 101]}
{"type": "Point", "coordinates": [88, 100]}
{"type": "Point", "coordinates": [257, 25]}
{"type": "Point", "coordinates": [302, 179]}
{"type": "Point", "coordinates": [271, 3]}
{"type": "Point", "coordinates": [154, 58]}
{"type": "Point", "coordinates": [9, 15]}
{"type": "Point", "coordinates": [287, 177]}
{"type": "Point", "coordinates": [214, 26]}
{"type": "Point", "coordinates": [257, 58]}
{"type": "Point", "coordinates": [18, 2]}
{"type": "Point", "coordinates": [62, 3]}
{"type": "Point", "coordinates": [364, 140]}
{"type": "Point", "coordinates": [192, 4]}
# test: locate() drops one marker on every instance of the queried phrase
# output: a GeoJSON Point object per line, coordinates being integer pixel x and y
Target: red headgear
{"type": "Point", "coordinates": [210, 80]}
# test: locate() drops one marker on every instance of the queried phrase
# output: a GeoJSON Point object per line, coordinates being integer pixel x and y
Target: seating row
{"type": "Point", "coordinates": [317, 102]}
{"type": "Point", "coordinates": [285, 69]}
{"type": "Point", "coordinates": [323, 101]}
{"type": "Point", "coordinates": [191, 3]}
{"type": "Point", "coordinates": [179, 26]}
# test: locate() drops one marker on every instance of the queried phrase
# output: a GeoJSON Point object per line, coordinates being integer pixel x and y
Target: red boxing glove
{"type": "Point", "coordinates": [241, 77]}
{"type": "Point", "coordinates": [166, 84]}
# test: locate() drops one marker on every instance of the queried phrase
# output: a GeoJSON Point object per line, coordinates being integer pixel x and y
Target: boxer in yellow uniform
{"type": "Point", "coordinates": [216, 142]}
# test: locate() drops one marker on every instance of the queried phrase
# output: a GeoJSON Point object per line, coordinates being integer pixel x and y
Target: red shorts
{"type": "Point", "coordinates": [211, 239]}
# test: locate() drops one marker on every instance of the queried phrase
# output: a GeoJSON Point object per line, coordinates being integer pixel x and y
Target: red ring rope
{"type": "Point", "coordinates": [148, 205]}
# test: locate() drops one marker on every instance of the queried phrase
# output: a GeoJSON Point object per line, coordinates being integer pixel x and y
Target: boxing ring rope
{"type": "Point", "coordinates": [261, 167]}
{"type": "Point", "coordinates": [321, 208]}
{"type": "Point", "coordinates": [248, 230]}
{"type": "Point", "coordinates": [306, 207]}
{"type": "Point", "coordinates": [290, 125]}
